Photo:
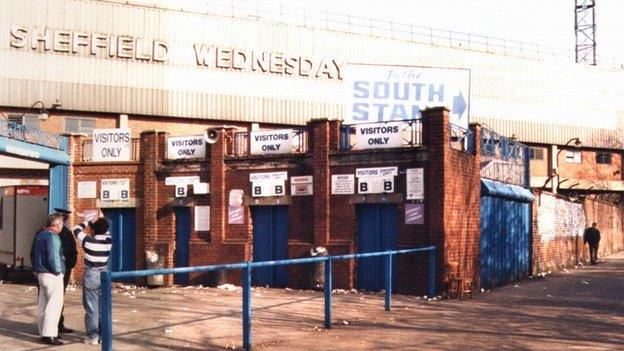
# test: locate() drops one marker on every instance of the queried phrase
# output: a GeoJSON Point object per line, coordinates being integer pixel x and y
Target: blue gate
{"type": "Point", "coordinates": [505, 233]}
{"type": "Point", "coordinates": [122, 231]}
{"type": "Point", "coordinates": [271, 226]}
{"type": "Point", "coordinates": [183, 235]}
{"type": "Point", "coordinates": [376, 231]}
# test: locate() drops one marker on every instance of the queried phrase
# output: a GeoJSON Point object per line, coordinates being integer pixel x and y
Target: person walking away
{"type": "Point", "coordinates": [49, 265]}
{"type": "Point", "coordinates": [68, 243]}
{"type": "Point", "coordinates": [591, 236]}
{"type": "Point", "coordinates": [97, 248]}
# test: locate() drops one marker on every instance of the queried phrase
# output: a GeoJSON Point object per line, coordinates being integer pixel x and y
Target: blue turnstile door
{"type": "Point", "coordinates": [122, 230]}
{"type": "Point", "coordinates": [271, 226]}
{"type": "Point", "coordinates": [376, 231]}
{"type": "Point", "coordinates": [183, 235]}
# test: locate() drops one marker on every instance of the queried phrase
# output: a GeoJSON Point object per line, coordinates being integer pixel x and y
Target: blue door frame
{"type": "Point", "coordinates": [124, 244]}
{"type": "Point", "coordinates": [376, 231]}
{"type": "Point", "coordinates": [271, 227]}
{"type": "Point", "coordinates": [183, 236]}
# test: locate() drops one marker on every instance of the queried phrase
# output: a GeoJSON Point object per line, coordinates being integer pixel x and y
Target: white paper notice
{"type": "Point", "coordinates": [202, 218]}
{"type": "Point", "coordinates": [87, 190]}
{"type": "Point", "coordinates": [343, 184]}
{"type": "Point", "coordinates": [415, 184]}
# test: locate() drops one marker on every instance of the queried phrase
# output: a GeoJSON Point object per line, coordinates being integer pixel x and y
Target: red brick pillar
{"type": "Point", "coordinates": [218, 196]}
{"type": "Point", "coordinates": [324, 139]}
{"type": "Point", "coordinates": [74, 149]}
{"type": "Point", "coordinates": [436, 138]}
{"type": "Point", "coordinates": [152, 153]}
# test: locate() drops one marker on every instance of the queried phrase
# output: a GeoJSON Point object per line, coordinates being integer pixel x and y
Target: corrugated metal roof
{"type": "Point", "coordinates": [541, 102]}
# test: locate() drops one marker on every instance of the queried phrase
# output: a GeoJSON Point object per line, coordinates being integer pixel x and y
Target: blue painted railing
{"type": "Point", "coordinates": [247, 267]}
{"type": "Point", "coordinates": [21, 132]}
{"type": "Point", "coordinates": [462, 139]}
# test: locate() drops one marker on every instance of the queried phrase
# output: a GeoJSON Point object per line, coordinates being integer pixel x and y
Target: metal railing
{"type": "Point", "coordinates": [87, 150]}
{"type": "Point", "coordinates": [462, 139]}
{"type": "Point", "coordinates": [337, 22]}
{"type": "Point", "coordinates": [30, 135]}
{"type": "Point", "coordinates": [247, 267]}
{"type": "Point", "coordinates": [508, 149]}
{"type": "Point", "coordinates": [241, 145]}
{"type": "Point", "coordinates": [508, 160]}
{"type": "Point", "coordinates": [372, 135]}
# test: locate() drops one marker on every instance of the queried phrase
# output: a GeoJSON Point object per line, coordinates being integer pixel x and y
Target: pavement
{"type": "Point", "coordinates": [576, 309]}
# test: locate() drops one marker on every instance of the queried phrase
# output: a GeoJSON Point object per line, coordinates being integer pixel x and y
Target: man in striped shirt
{"type": "Point", "coordinates": [97, 248]}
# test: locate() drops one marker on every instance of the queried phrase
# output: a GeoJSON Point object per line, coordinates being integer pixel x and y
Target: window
{"type": "Point", "coordinates": [79, 125]}
{"type": "Point", "coordinates": [573, 156]}
{"type": "Point", "coordinates": [28, 120]}
{"type": "Point", "coordinates": [603, 158]}
{"type": "Point", "coordinates": [536, 153]}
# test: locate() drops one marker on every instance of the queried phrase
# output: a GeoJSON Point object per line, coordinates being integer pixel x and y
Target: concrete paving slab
{"type": "Point", "coordinates": [579, 309]}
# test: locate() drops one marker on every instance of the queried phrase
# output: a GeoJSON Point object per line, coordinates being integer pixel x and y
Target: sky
{"type": "Point", "coordinates": [545, 22]}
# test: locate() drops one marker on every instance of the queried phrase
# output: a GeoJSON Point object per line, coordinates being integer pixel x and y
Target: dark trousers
{"type": "Point", "coordinates": [61, 322]}
{"type": "Point", "coordinates": [593, 252]}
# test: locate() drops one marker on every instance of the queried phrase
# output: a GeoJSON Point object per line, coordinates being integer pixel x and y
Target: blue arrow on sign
{"type": "Point", "coordinates": [459, 104]}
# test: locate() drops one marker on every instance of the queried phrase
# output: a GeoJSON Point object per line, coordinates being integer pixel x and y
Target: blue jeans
{"type": "Point", "coordinates": [91, 292]}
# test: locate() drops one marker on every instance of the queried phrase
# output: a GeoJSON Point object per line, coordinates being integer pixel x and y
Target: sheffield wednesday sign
{"type": "Point", "coordinates": [377, 93]}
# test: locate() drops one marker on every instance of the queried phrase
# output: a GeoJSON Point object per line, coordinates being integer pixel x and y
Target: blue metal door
{"type": "Point", "coordinates": [505, 234]}
{"type": "Point", "coordinates": [376, 231]}
{"type": "Point", "coordinates": [57, 190]}
{"type": "Point", "coordinates": [271, 226]}
{"type": "Point", "coordinates": [122, 231]}
{"type": "Point", "coordinates": [183, 235]}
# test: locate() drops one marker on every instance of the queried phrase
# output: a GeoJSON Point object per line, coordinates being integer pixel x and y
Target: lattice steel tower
{"type": "Point", "coordinates": [585, 28]}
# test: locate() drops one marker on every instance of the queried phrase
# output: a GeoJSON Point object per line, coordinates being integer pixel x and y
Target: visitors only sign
{"type": "Point", "coordinates": [377, 93]}
{"type": "Point", "coordinates": [380, 135]}
{"type": "Point", "coordinates": [111, 145]}
{"type": "Point", "coordinates": [186, 147]}
{"type": "Point", "coordinates": [272, 142]}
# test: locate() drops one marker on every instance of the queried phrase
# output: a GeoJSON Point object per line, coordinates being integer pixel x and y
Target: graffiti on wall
{"type": "Point", "coordinates": [557, 217]}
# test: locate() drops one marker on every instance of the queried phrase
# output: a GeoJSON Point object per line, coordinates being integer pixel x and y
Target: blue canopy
{"type": "Point", "coordinates": [507, 191]}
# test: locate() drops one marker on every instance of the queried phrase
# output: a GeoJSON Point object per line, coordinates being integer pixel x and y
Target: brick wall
{"type": "Point", "coordinates": [323, 219]}
{"type": "Point", "coordinates": [558, 226]}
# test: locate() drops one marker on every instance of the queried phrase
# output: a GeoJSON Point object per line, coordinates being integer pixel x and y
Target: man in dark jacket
{"type": "Point", "coordinates": [69, 251]}
{"type": "Point", "coordinates": [592, 237]}
{"type": "Point", "coordinates": [70, 255]}
{"type": "Point", "coordinates": [49, 265]}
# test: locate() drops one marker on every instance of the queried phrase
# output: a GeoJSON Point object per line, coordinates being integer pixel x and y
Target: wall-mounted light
{"type": "Point", "coordinates": [42, 113]}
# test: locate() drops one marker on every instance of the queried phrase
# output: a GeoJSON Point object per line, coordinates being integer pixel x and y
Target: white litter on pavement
{"type": "Point", "coordinates": [229, 287]}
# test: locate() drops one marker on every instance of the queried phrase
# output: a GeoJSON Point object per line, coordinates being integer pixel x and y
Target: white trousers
{"type": "Point", "coordinates": [50, 303]}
